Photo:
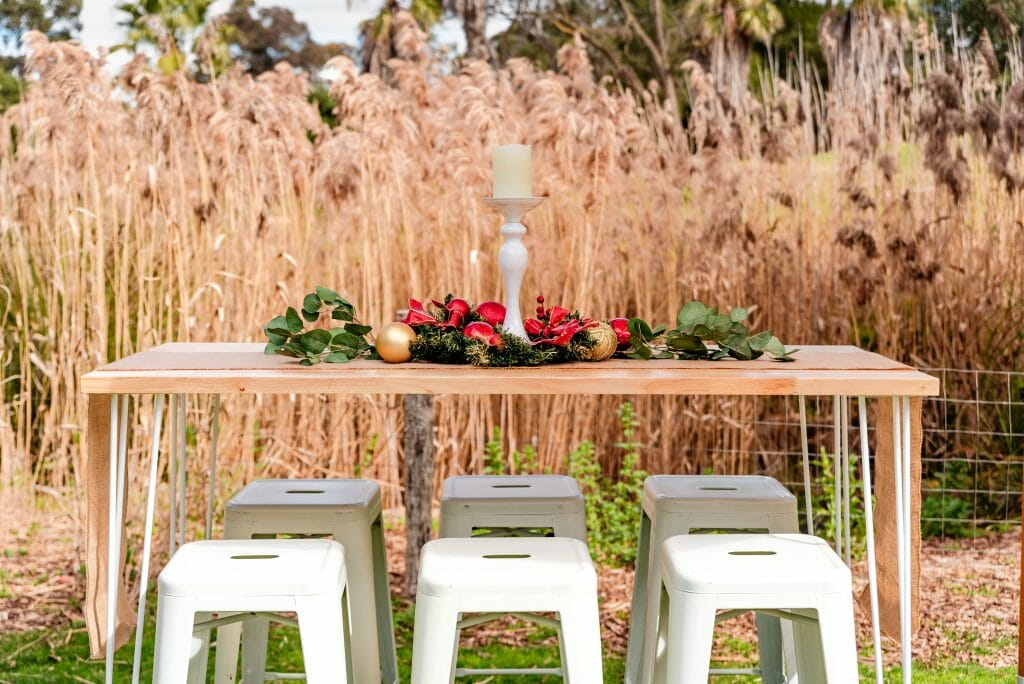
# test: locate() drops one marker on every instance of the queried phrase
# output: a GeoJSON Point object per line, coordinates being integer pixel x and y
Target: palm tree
{"type": "Point", "coordinates": [732, 27]}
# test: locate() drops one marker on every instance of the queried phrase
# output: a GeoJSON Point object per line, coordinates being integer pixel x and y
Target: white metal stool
{"type": "Point", "coordinates": [795, 577]}
{"type": "Point", "coordinates": [246, 579]}
{"type": "Point", "coordinates": [512, 506]}
{"type": "Point", "coordinates": [691, 504]}
{"type": "Point", "coordinates": [350, 512]}
{"type": "Point", "coordinates": [517, 576]}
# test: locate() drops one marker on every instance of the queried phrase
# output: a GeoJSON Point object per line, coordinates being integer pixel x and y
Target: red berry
{"type": "Point", "coordinates": [540, 299]}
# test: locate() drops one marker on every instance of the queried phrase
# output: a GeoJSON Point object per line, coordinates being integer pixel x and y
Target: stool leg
{"type": "Point", "coordinates": [359, 556]}
{"type": "Point", "coordinates": [769, 649]}
{"type": "Point", "coordinates": [174, 620]}
{"type": "Point", "coordinates": [691, 631]}
{"type": "Point", "coordinates": [838, 641]}
{"type": "Point", "coordinates": [581, 640]}
{"type": "Point", "coordinates": [322, 625]}
{"type": "Point", "coordinates": [255, 633]}
{"type": "Point", "coordinates": [229, 638]}
{"type": "Point", "coordinates": [197, 667]}
{"type": "Point", "coordinates": [810, 656]}
{"type": "Point", "coordinates": [382, 594]}
{"type": "Point", "coordinates": [639, 608]}
{"type": "Point", "coordinates": [434, 643]}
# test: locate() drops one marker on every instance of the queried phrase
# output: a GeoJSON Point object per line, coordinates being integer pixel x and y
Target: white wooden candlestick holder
{"type": "Point", "coordinates": [512, 257]}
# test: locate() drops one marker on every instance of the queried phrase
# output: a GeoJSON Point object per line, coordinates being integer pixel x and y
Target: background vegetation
{"type": "Point", "coordinates": [860, 184]}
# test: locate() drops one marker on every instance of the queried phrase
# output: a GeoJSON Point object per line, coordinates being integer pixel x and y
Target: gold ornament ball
{"type": "Point", "coordinates": [393, 342]}
{"type": "Point", "coordinates": [605, 342]}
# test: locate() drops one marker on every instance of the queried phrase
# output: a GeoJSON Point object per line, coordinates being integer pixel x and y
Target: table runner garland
{"type": "Point", "coordinates": [454, 331]}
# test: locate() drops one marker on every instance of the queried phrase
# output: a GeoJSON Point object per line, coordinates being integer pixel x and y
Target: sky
{"type": "Point", "coordinates": [328, 21]}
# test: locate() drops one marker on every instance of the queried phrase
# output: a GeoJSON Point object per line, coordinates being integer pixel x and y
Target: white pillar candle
{"type": "Point", "coordinates": [513, 175]}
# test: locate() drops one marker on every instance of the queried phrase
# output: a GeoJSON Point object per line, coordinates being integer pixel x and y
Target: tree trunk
{"type": "Point", "coordinates": [730, 66]}
{"type": "Point", "coordinates": [474, 23]}
{"type": "Point", "coordinates": [418, 442]}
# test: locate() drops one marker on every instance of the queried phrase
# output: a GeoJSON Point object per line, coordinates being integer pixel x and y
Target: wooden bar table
{"type": "Point", "coordinates": [181, 369]}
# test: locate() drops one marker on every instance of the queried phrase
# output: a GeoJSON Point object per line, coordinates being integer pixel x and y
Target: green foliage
{"type": "Point", "coordinates": [11, 88]}
{"type": "Point", "coordinates": [613, 503]}
{"type": "Point", "coordinates": [174, 27]}
{"type": "Point", "coordinates": [697, 324]}
{"type": "Point", "coordinates": [286, 336]}
{"type": "Point", "coordinates": [523, 462]}
{"type": "Point", "coordinates": [321, 97]}
{"type": "Point", "coordinates": [823, 506]}
{"type": "Point", "coordinates": [58, 19]}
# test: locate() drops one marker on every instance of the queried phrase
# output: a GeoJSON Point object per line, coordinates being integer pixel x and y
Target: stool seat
{"type": "Point", "coordinates": [300, 567]}
{"type": "Point", "coordinates": [518, 575]}
{"type": "Point", "coordinates": [347, 510]}
{"type": "Point", "coordinates": [342, 495]}
{"type": "Point", "coordinates": [694, 504]}
{"type": "Point", "coordinates": [753, 563]}
{"type": "Point", "coordinates": [793, 577]}
{"type": "Point", "coordinates": [484, 489]}
{"type": "Point", "coordinates": [512, 506]}
{"type": "Point", "coordinates": [706, 493]}
{"type": "Point", "coordinates": [509, 565]}
{"type": "Point", "coordinates": [246, 580]}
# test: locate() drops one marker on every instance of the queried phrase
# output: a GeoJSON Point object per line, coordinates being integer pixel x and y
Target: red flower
{"type": "Point", "coordinates": [492, 312]}
{"type": "Point", "coordinates": [458, 306]}
{"type": "Point", "coordinates": [533, 327]}
{"type": "Point", "coordinates": [557, 314]}
{"type": "Point", "coordinates": [417, 315]}
{"type": "Point", "coordinates": [483, 332]}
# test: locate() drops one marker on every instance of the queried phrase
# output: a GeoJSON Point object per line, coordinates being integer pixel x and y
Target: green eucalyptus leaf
{"type": "Point", "coordinates": [692, 314]}
{"type": "Point", "coordinates": [686, 343]}
{"type": "Point", "coordinates": [311, 316]}
{"type": "Point", "coordinates": [775, 347]}
{"type": "Point", "coordinates": [337, 357]}
{"type": "Point", "coordinates": [326, 294]}
{"type": "Point", "coordinates": [277, 325]}
{"type": "Point", "coordinates": [358, 329]}
{"type": "Point", "coordinates": [759, 341]}
{"type": "Point", "coordinates": [309, 361]}
{"type": "Point", "coordinates": [315, 341]}
{"type": "Point", "coordinates": [271, 349]}
{"type": "Point", "coordinates": [703, 332]}
{"type": "Point", "coordinates": [738, 315]}
{"type": "Point", "coordinates": [311, 303]}
{"type": "Point", "coordinates": [346, 339]}
{"type": "Point", "coordinates": [294, 322]}
{"type": "Point", "coordinates": [720, 325]}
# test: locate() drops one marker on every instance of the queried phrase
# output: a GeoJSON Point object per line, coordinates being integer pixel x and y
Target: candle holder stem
{"type": "Point", "coordinates": [513, 257]}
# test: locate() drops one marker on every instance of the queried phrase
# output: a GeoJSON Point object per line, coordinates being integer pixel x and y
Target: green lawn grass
{"type": "Point", "coordinates": [61, 655]}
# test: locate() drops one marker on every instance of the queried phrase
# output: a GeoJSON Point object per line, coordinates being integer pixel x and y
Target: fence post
{"type": "Point", "coordinates": [418, 443]}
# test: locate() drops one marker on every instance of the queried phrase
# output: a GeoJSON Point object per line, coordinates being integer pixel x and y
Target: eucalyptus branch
{"type": "Point", "coordinates": [697, 324]}
{"type": "Point", "coordinates": [286, 336]}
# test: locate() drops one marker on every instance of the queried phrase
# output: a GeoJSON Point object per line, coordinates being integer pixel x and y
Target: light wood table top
{"type": "Point", "coordinates": [243, 368]}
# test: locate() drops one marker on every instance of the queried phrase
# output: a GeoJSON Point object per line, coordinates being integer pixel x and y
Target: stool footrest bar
{"type": "Point", "coordinates": [527, 671]}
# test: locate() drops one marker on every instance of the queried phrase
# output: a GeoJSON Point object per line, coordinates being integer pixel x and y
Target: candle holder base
{"type": "Point", "coordinates": [513, 257]}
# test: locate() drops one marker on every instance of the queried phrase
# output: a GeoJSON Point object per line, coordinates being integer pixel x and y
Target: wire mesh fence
{"type": "Point", "coordinates": [972, 455]}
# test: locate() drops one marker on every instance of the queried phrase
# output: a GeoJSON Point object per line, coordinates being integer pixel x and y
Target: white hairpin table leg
{"type": "Point", "coordinates": [869, 531]}
{"type": "Point", "coordinates": [182, 480]}
{"type": "Point", "coordinates": [172, 476]}
{"type": "Point", "coordinates": [847, 484]}
{"type": "Point", "coordinates": [114, 518]}
{"type": "Point", "coordinates": [901, 534]}
{"type": "Point", "coordinates": [147, 539]}
{"type": "Point", "coordinates": [211, 492]}
{"type": "Point", "coordinates": [808, 504]}
{"type": "Point", "coordinates": [837, 462]}
{"type": "Point", "coordinates": [907, 631]}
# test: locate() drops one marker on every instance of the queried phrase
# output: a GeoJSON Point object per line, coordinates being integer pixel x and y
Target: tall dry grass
{"type": "Point", "coordinates": [155, 208]}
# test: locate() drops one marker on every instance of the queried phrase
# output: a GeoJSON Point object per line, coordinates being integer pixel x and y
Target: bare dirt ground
{"type": "Point", "coordinates": [969, 591]}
